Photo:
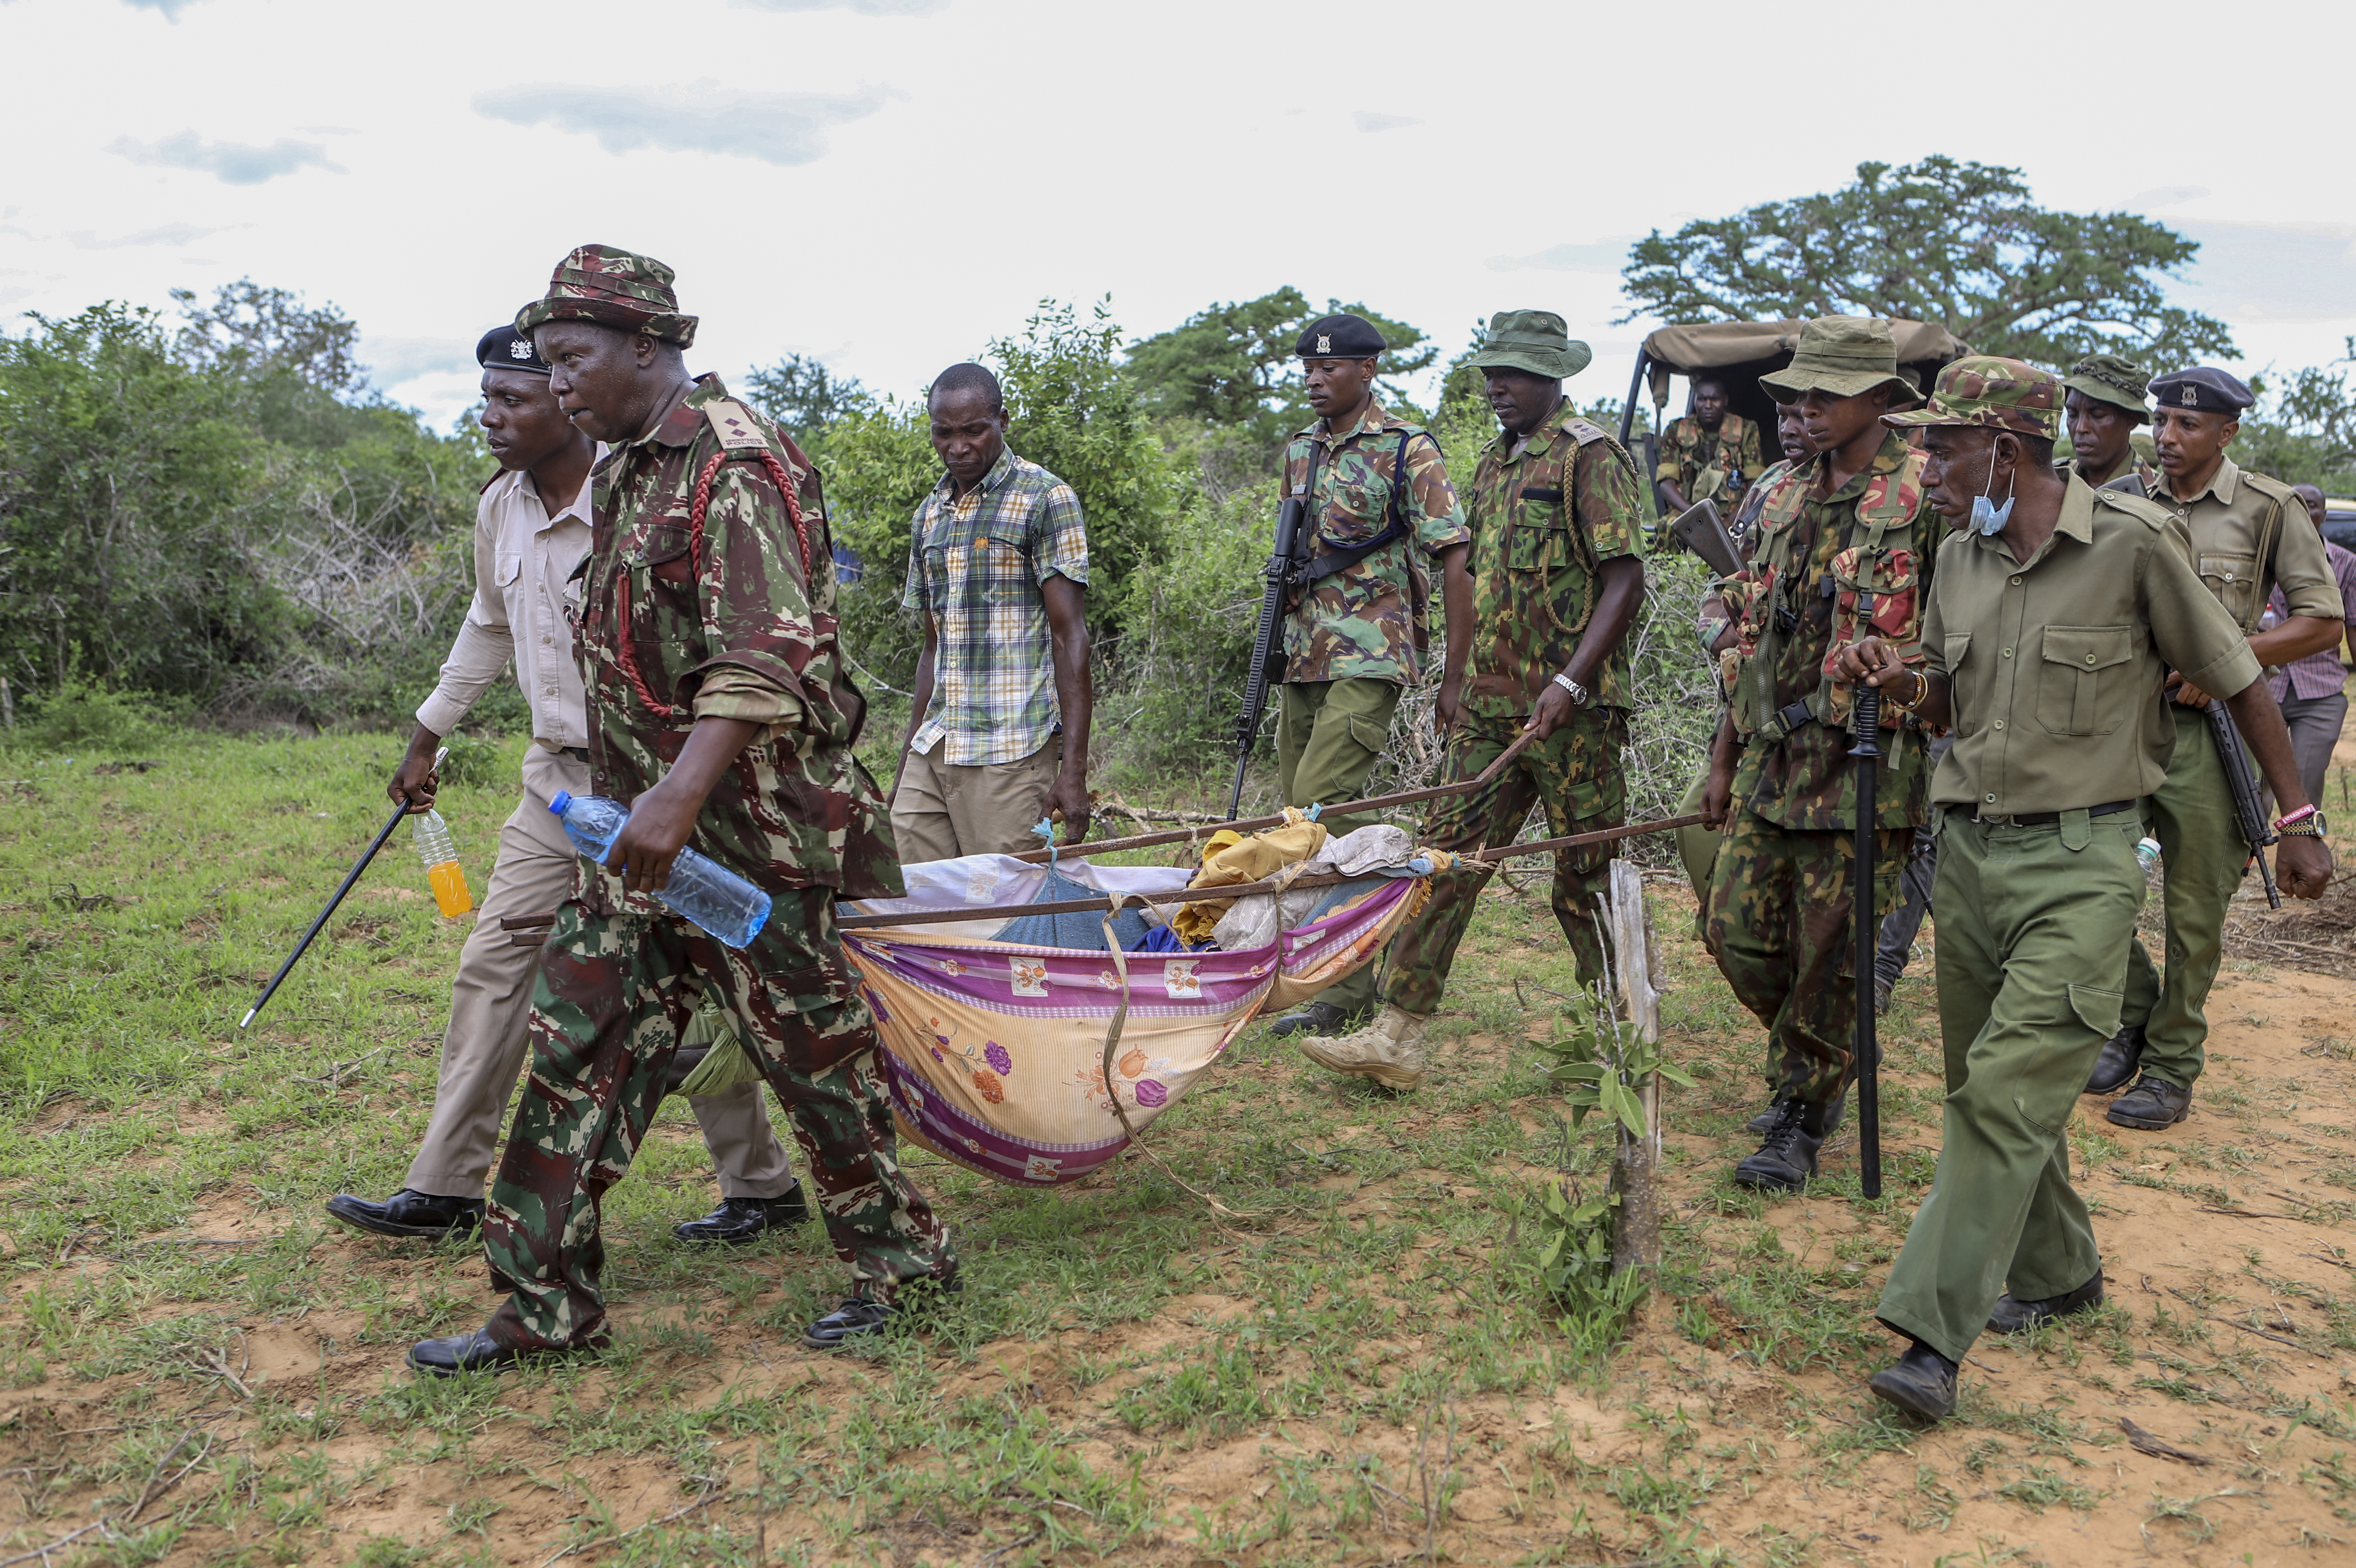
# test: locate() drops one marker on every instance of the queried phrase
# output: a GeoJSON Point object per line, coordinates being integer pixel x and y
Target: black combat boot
{"type": "Point", "coordinates": [1922, 1383]}
{"type": "Point", "coordinates": [2153, 1105]}
{"type": "Point", "coordinates": [1787, 1159]}
{"type": "Point", "coordinates": [1315, 1018]}
{"type": "Point", "coordinates": [2012, 1315]}
{"type": "Point", "coordinates": [2114, 1069]}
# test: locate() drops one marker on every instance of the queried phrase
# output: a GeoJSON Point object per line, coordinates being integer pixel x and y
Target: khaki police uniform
{"type": "Point", "coordinates": [2248, 533]}
{"type": "Point", "coordinates": [2061, 727]}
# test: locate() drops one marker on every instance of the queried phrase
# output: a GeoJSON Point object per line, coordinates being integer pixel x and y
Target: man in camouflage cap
{"type": "Point", "coordinates": [1843, 536]}
{"type": "Point", "coordinates": [719, 705]}
{"type": "Point", "coordinates": [2055, 613]}
{"type": "Point", "coordinates": [1557, 574]}
{"type": "Point", "coordinates": [2249, 533]}
{"type": "Point", "coordinates": [2104, 405]}
{"type": "Point", "coordinates": [1381, 516]}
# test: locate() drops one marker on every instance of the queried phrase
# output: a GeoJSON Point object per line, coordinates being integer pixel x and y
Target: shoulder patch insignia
{"type": "Point", "coordinates": [733, 423]}
{"type": "Point", "coordinates": [1584, 431]}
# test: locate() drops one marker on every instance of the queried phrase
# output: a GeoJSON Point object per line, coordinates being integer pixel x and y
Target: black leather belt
{"type": "Point", "coordinates": [2050, 819]}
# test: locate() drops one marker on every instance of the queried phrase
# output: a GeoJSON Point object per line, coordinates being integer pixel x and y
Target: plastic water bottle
{"type": "Point", "coordinates": [2148, 853]}
{"type": "Point", "coordinates": [431, 834]}
{"type": "Point", "coordinates": [700, 889]}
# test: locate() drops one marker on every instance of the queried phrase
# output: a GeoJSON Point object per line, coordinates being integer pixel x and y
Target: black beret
{"type": "Point", "coordinates": [505, 348]}
{"type": "Point", "coordinates": [1339, 337]}
{"type": "Point", "coordinates": [2203, 387]}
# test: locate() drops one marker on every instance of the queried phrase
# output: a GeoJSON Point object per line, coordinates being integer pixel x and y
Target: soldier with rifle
{"type": "Point", "coordinates": [1557, 574]}
{"type": "Point", "coordinates": [1377, 513]}
{"type": "Point", "coordinates": [2249, 534]}
{"type": "Point", "coordinates": [1844, 537]}
{"type": "Point", "coordinates": [2054, 617]}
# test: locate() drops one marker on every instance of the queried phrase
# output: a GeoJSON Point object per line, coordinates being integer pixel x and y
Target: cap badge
{"type": "Point", "coordinates": [2191, 395]}
{"type": "Point", "coordinates": [1323, 343]}
{"type": "Point", "coordinates": [519, 349]}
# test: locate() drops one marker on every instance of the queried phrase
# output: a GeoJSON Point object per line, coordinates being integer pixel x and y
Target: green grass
{"type": "Point", "coordinates": [1361, 1369]}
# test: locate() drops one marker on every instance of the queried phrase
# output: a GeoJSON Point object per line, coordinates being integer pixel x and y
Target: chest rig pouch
{"type": "Point", "coordinates": [1868, 590]}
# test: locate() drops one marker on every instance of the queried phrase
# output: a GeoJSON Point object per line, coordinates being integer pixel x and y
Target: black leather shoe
{"type": "Point", "coordinates": [2114, 1069]}
{"type": "Point", "coordinates": [2011, 1317]}
{"type": "Point", "coordinates": [1922, 1383]}
{"type": "Point", "coordinates": [408, 1213]}
{"type": "Point", "coordinates": [1313, 1019]}
{"type": "Point", "coordinates": [477, 1352]}
{"type": "Point", "coordinates": [1764, 1122]}
{"type": "Point", "coordinates": [2153, 1105]}
{"type": "Point", "coordinates": [854, 1319]}
{"type": "Point", "coordinates": [741, 1219]}
{"type": "Point", "coordinates": [1787, 1159]}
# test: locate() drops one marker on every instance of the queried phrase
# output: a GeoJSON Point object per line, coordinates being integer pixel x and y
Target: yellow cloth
{"type": "Point", "coordinates": [1230, 861]}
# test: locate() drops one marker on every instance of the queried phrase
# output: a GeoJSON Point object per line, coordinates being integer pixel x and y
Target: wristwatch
{"type": "Point", "coordinates": [2307, 827]}
{"type": "Point", "coordinates": [1578, 693]}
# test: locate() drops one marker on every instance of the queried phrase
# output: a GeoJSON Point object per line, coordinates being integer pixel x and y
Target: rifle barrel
{"type": "Point", "coordinates": [1867, 930]}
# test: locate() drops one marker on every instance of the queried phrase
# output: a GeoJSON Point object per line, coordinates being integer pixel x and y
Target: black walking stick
{"type": "Point", "coordinates": [1868, 752]}
{"type": "Point", "coordinates": [336, 898]}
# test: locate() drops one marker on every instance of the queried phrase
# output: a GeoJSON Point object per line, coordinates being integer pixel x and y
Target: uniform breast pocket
{"type": "Point", "coordinates": [1356, 510]}
{"type": "Point", "coordinates": [1891, 580]}
{"type": "Point", "coordinates": [2235, 580]}
{"type": "Point", "coordinates": [1540, 538]}
{"type": "Point", "coordinates": [2086, 680]}
{"type": "Point", "coordinates": [505, 568]}
{"type": "Point", "coordinates": [662, 551]}
{"type": "Point", "coordinates": [1002, 568]}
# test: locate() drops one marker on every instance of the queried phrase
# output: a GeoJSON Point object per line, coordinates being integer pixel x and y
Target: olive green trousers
{"type": "Point", "coordinates": [2204, 857]}
{"type": "Point", "coordinates": [1329, 735]}
{"type": "Point", "coordinates": [2029, 918]}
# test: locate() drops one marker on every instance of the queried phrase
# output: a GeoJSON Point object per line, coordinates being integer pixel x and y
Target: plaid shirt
{"type": "Point", "coordinates": [2317, 674]}
{"type": "Point", "coordinates": [975, 566]}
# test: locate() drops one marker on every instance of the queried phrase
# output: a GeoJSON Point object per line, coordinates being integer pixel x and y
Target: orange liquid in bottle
{"type": "Point", "coordinates": [449, 881]}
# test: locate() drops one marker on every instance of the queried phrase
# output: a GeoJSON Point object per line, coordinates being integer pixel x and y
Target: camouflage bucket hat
{"type": "Point", "coordinates": [613, 288]}
{"type": "Point", "coordinates": [1993, 394]}
{"type": "Point", "coordinates": [2107, 377]}
{"type": "Point", "coordinates": [1843, 355]}
{"type": "Point", "coordinates": [1536, 341]}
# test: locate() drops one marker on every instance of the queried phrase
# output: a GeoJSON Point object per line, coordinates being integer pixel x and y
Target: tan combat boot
{"type": "Point", "coordinates": [1390, 1050]}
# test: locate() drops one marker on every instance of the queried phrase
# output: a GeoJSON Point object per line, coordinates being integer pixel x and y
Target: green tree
{"type": "Point", "coordinates": [801, 394]}
{"type": "Point", "coordinates": [1957, 243]}
{"type": "Point", "coordinates": [1233, 366]}
{"type": "Point", "coordinates": [2305, 431]}
{"type": "Point", "coordinates": [133, 511]}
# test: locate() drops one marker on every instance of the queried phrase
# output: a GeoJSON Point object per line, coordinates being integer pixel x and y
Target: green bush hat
{"type": "Point", "coordinates": [615, 288]}
{"type": "Point", "coordinates": [1993, 394]}
{"type": "Point", "coordinates": [2107, 377]}
{"type": "Point", "coordinates": [1844, 355]}
{"type": "Point", "coordinates": [1536, 341]}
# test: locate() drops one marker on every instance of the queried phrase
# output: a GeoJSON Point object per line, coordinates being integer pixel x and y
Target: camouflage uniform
{"type": "Point", "coordinates": [1537, 547]}
{"type": "Point", "coordinates": [733, 620]}
{"type": "Point", "coordinates": [1356, 637]}
{"type": "Point", "coordinates": [1781, 889]}
{"type": "Point", "coordinates": [1690, 454]}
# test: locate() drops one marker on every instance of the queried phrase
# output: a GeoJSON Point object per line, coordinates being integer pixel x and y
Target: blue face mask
{"type": "Point", "coordinates": [1988, 519]}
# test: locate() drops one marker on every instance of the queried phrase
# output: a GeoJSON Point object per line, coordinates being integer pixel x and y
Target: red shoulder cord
{"type": "Point", "coordinates": [697, 506]}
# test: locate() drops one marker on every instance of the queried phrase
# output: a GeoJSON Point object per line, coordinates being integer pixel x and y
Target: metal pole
{"type": "Point", "coordinates": [1868, 752]}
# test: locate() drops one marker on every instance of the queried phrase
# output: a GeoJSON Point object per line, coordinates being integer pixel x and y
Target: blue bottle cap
{"type": "Point", "coordinates": [564, 799]}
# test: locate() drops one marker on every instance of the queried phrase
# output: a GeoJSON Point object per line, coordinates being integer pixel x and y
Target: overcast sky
{"type": "Point", "coordinates": [888, 183]}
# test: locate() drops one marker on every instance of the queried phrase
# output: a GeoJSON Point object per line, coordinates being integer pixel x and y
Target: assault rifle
{"type": "Point", "coordinates": [1283, 572]}
{"type": "Point", "coordinates": [2249, 808]}
{"type": "Point", "coordinates": [1700, 529]}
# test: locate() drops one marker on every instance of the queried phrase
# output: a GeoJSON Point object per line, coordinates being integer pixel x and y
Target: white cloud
{"type": "Point", "coordinates": [786, 128]}
{"type": "Point", "coordinates": [171, 8]}
{"type": "Point", "coordinates": [2278, 272]}
{"type": "Point", "coordinates": [391, 360]}
{"type": "Point", "coordinates": [233, 163]}
{"type": "Point", "coordinates": [1367, 121]}
{"type": "Point", "coordinates": [169, 234]}
{"type": "Point", "coordinates": [2166, 196]}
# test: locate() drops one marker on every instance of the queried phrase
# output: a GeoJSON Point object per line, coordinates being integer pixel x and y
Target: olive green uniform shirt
{"type": "Point", "coordinates": [2235, 518]}
{"type": "Point", "coordinates": [2058, 661]}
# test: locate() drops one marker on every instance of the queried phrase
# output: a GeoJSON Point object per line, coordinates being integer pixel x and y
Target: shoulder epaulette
{"type": "Point", "coordinates": [2142, 506]}
{"type": "Point", "coordinates": [735, 426]}
{"type": "Point", "coordinates": [2268, 485]}
{"type": "Point", "coordinates": [1585, 431]}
